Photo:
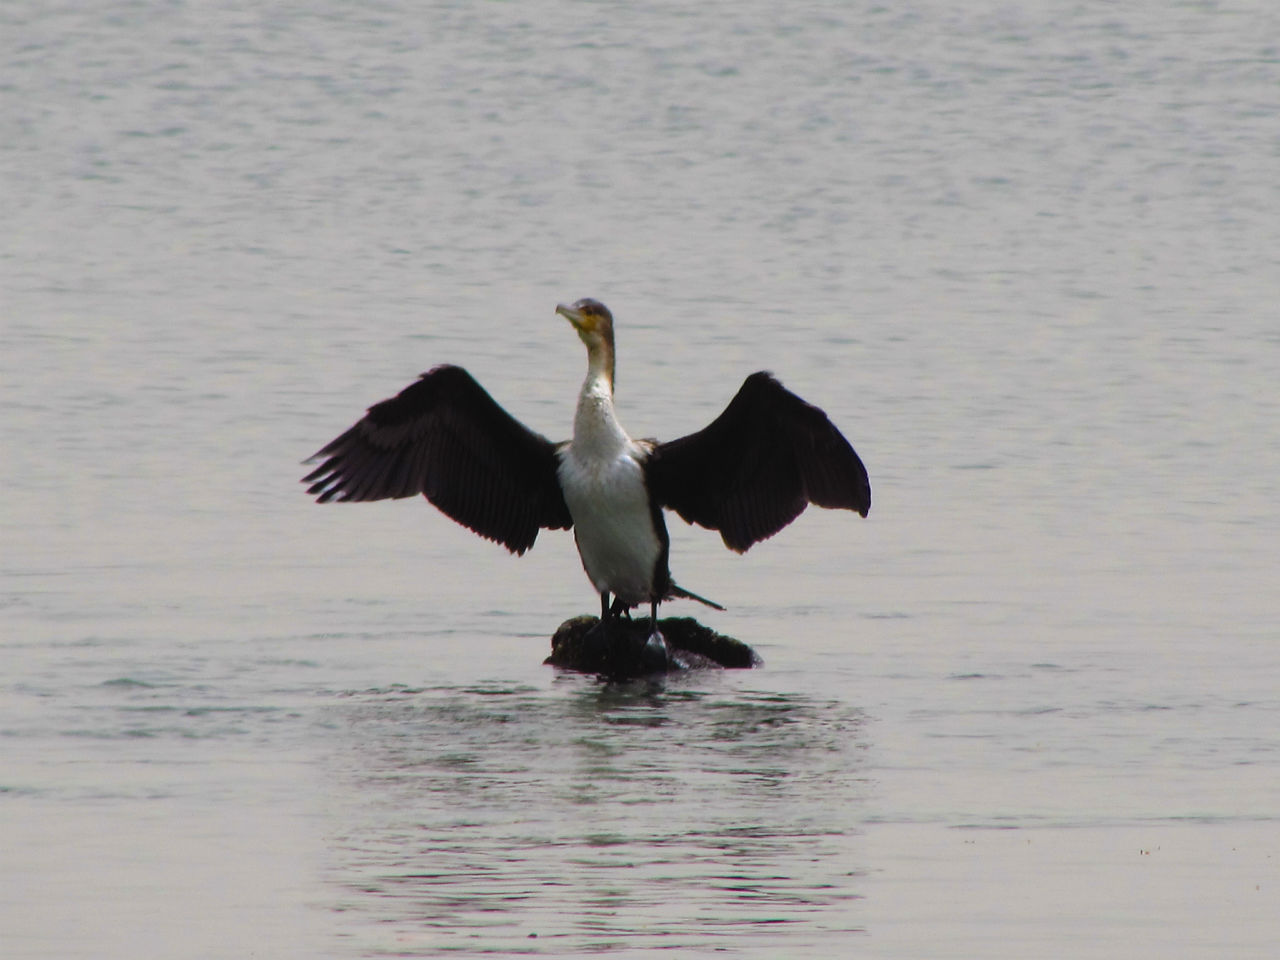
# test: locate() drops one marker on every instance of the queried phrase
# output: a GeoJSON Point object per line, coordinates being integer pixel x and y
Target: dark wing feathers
{"type": "Point", "coordinates": [446, 438]}
{"type": "Point", "coordinates": [758, 465]}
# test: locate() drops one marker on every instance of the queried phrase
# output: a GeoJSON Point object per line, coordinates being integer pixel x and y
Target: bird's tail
{"type": "Point", "coordinates": [682, 593]}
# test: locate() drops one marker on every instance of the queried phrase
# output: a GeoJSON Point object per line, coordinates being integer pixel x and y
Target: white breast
{"type": "Point", "coordinates": [612, 521]}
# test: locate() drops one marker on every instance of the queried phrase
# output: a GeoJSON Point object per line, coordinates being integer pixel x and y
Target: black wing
{"type": "Point", "coordinates": [446, 438]}
{"type": "Point", "coordinates": [758, 465]}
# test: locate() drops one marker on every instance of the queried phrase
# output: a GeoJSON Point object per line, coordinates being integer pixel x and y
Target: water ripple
{"type": "Point", "coordinates": [595, 818]}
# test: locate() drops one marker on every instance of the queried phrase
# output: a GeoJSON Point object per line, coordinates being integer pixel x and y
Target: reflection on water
{"type": "Point", "coordinates": [590, 818]}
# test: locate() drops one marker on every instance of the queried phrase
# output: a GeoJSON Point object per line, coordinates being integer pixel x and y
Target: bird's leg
{"type": "Point", "coordinates": [598, 639]}
{"type": "Point", "coordinates": [656, 652]}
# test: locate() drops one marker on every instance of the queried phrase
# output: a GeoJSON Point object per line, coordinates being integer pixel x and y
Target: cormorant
{"type": "Point", "coordinates": [748, 474]}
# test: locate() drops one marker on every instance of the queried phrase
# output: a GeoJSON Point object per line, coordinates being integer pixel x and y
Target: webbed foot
{"type": "Point", "coordinates": [656, 655]}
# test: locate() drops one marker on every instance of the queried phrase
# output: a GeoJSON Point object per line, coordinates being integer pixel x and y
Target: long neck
{"type": "Point", "coordinates": [596, 430]}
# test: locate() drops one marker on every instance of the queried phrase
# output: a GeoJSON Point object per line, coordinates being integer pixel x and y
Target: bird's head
{"type": "Point", "coordinates": [591, 319]}
{"type": "Point", "coordinates": [594, 324]}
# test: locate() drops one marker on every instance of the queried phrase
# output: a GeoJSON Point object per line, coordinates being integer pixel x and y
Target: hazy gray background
{"type": "Point", "coordinates": [1025, 256]}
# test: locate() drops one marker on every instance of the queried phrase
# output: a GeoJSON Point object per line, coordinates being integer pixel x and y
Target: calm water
{"type": "Point", "coordinates": [1025, 255]}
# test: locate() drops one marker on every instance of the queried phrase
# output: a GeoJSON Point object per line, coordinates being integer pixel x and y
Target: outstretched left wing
{"type": "Point", "coordinates": [758, 465]}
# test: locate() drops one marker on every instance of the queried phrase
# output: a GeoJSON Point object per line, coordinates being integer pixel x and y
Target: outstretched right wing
{"type": "Point", "coordinates": [446, 438]}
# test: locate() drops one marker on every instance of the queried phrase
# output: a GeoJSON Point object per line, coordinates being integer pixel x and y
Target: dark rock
{"type": "Point", "coordinates": [620, 649]}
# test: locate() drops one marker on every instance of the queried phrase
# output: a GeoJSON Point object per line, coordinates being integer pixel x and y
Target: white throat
{"type": "Point", "coordinates": [598, 437]}
{"type": "Point", "coordinates": [602, 476]}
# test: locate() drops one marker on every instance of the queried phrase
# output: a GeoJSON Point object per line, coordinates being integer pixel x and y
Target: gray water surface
{"type": "Point", "coordinates": [1024, 256]}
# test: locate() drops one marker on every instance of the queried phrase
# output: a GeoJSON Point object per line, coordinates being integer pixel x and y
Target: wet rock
{"type": "Point", "coordinates": [621, 648]}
